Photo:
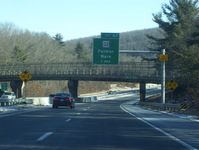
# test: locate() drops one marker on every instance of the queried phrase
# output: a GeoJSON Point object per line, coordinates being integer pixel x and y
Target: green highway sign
{"type": "Point", "coordinates": [4, 86]}
{"type": "Point", "coordinates": [110, 35]}
{"type": "Point", "coordinates": [106, 51]}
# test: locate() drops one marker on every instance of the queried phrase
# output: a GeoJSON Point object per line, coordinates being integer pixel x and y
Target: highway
{"type": "Point", "coordinates": [116, 124]}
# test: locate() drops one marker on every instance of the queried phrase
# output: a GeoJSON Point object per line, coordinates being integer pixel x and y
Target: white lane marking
{"type": "Point", "coordinates": [162, 131]}
{"type": "Point", "coordinates": [68, 120]}
{"type": "Point", "coordinates": [44, 136]}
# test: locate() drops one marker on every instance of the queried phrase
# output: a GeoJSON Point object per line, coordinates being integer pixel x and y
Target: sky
{"type": "Point", "coordinates": [80, 18]}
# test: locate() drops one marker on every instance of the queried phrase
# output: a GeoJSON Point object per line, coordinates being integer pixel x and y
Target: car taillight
{"type": "Point", "coordinates": [55, 99]}
{"type": "Point", "coordinates": [68, 99]}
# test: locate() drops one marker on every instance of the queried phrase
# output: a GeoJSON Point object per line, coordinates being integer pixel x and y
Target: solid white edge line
{"type": "Point", "coordinates": [160, 130]}
{"type": "Point", "coordinates": [44, 136]}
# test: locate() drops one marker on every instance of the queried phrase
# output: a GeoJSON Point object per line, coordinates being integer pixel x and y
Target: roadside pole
{"type": "Point", "coordinates": [163, 58]}
{"type": "Point", "coordinates": [25, 76]}
{"type": "Point", "coordinates": [23, 89]}
{"type": "Point", "coordinates": [142, 84]}
{"type": "Point", "coordinates": [163, 78]}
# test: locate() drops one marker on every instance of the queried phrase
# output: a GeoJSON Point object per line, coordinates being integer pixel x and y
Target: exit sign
{"type": "Point", "coordinates": [4, 86]}
{"type": "Point", "coordinates": [106, 51]}
{"type": "Point", "coordinates": [110, 35]}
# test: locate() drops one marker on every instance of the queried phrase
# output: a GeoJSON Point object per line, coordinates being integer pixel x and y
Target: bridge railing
{"type": "Point", "coordinates": [126, 71]}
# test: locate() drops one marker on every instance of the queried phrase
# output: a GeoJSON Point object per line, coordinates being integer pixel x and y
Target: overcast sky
{"type": "Point", "coordinates": [80, 18]}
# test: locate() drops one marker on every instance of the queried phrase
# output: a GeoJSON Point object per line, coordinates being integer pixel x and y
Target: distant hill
{"type": "Point", "coordinates": [137, 40]}
{"type": "Point", "coordinates": [132, 40]}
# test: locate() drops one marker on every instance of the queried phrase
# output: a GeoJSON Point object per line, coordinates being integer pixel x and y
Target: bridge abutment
{"type": "Point", "coordinates": [16, 87]}
{"type": "Point", "coordinates": [73, 87]}
{"type": "Point", "coordinates": [142, 91]}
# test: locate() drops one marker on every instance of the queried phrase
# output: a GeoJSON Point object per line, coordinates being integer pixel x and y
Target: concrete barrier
{"type": "Point", "coordinates": [86, 99]}
{"type": "Point", "coordinates": [39, 100]}
{"type": "Point", "coordinates": [43, 101]}
{"type": "Point", "coordinates": [51, 96]}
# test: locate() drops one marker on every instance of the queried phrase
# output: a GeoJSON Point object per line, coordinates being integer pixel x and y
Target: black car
{"type": "Point", "coordinates": [63, 99]}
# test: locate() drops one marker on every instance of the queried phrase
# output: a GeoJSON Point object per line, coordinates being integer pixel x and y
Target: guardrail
{"type": "Point", "coordinates": [18, 101]}
{"type": "Point", "coordinates": [161, 106]}
{"type": "Point", "coordinates": [125, 71]}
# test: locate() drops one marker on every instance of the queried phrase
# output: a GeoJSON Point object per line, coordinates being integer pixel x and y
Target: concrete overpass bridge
{"type": "Point", "coordinates": [137, 72]}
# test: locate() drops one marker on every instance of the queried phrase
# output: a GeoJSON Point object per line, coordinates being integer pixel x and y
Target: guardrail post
{"type": "Point", "coordinates": [2, 103]}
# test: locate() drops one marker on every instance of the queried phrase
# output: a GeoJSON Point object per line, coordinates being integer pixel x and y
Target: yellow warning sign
{"type": "Point", "coordinates": [25, 76]}
{"type": "Point", "coordinates": [172, 85]}
{"type": "Point", "coordinates": [163, 57]}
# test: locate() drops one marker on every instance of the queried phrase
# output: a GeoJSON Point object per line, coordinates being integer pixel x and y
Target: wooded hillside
{"type": "Point", "coordinates": [178, 33]}
{"type": "Point", "coordinates": [23, 46]}
{"type": "Point", "coordinates": [20, 46]}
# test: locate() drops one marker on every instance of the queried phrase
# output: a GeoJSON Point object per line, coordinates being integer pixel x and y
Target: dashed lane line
{"type": "Point", "coordinates": [44, 136]}
{"type": "Point", "coordinates": [68, 120]}
{"type": "Point", "coordinates": [47, 134]}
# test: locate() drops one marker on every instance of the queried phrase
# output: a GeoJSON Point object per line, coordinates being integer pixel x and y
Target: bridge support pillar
{"type": "Point", "coordinates": [142, 91]}
{"type": "Point", "coordinates": [73, 87]}
{"type": "Point", "coordinates": [16, 87]}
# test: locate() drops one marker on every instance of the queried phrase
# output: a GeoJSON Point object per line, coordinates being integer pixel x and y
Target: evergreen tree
{"type": "Point", "coordinates": [83, 52]}
{"type": "Point", "coordinates": [19, 54]}
{"type": "Point", "coordinates": [195, 34]}
{"type": "Point", "coordinates": [79, 49]}
{"type": "Point", "coordinates": [59, 38]}
{"type": "Point", "coordinates": [179, 21]}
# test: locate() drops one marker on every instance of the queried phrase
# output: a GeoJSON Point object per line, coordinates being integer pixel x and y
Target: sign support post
{"type": "Point", "coordinates": [25, 76]}
{"type": "Point", "coordinates": [163, 78]}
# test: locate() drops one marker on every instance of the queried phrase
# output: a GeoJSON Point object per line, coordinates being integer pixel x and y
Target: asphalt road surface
{"type": "Point", "coordinates": [100, 125]}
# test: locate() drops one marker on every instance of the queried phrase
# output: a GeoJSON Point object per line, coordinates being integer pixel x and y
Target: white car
{"type": "Point", "coordinates": [8, 96]}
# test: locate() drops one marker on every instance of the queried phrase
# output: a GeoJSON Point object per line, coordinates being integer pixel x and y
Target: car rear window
{"type": "Point", "coordinates": [7, 93]}
{"type": "Point", "coordinates": [62, 94]}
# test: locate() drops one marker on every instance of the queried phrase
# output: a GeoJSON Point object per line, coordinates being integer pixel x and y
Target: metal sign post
{"type": "Point", "coordinates": [163, 58]}
{"type": "Point", "coordinates": [163, 77]}
{"type": "Point", "coordinates": [25, 76]}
